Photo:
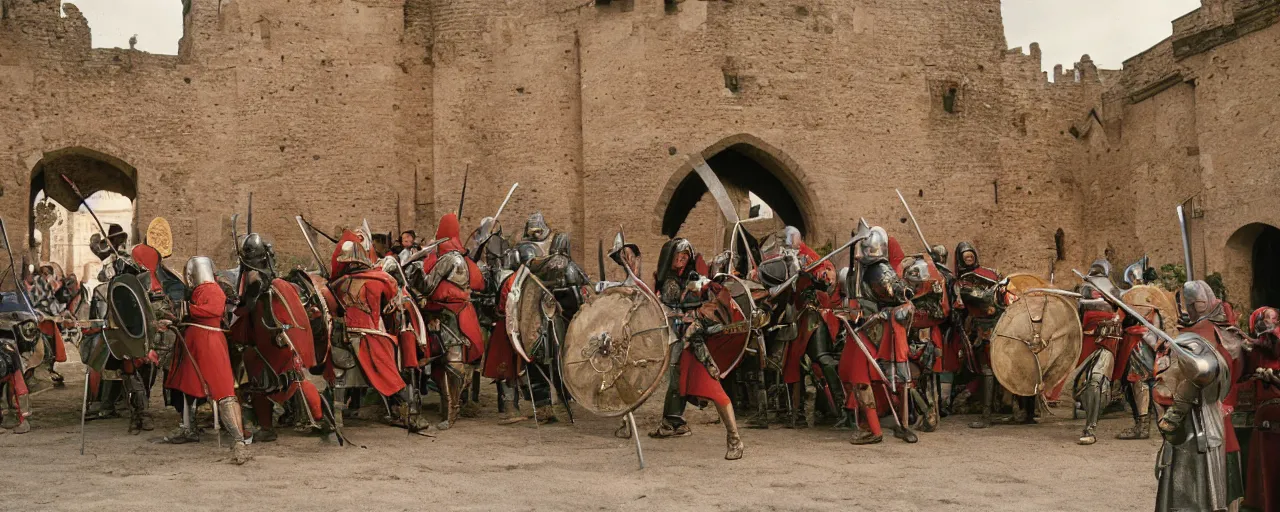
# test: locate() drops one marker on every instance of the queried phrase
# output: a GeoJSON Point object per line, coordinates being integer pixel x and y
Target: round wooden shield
{"type": "Point", "coordinates": [1020, 283]}
{"type": "Point", "coordinates": [1036, 343]}
{"type": "Point", "coordinates": [160, 236]}
{"type": "Point", "coordinates": [1155, 304]}
{"type": "Point", "coordinates": [530, 309]}
{"type": "Point", "coordinates": [732, 347]}
{"type": "Point", "coordinates": [615, 352]}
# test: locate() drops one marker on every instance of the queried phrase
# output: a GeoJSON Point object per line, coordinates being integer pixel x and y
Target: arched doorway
{"type": "Point", "coordinates": [758, 177]}
{"type": "Point", "coordinates": [59, 228]}
{"type": "Point", "coordinates": [1252, 254]}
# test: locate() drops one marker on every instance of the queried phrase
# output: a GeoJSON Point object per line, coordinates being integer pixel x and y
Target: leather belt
{"type": "Point", "coordinates": [374, 332]}
{"type": "Point", "coordinates": [206, 327]}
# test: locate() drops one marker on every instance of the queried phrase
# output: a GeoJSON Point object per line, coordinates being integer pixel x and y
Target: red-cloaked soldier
{"type": "Point", "coordinates": [1262, 374]}
{"type": "Point", "coordinates": [272, 322]}
{"type": "Point", "coordinates": [446, 279]}
{"type": "Point", "coordinates": [201, 365]}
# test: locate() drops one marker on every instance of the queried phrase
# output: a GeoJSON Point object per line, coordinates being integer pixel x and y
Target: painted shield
{"type": "Point", "coordinates": [615, 352]}
{"type": "Point", "coordinates": [319, 305]}
{"type": "Point", "coordinates": [530, 308]}
{"type": "Point", "coordinates": [1036, 343]}
{"type": "Point", "coordinates": [731, 345]}
{"type": "Point", "coordinates": [287, 307]}
{"type": "Point", "coordinates": [1020, 283]}
{"type": "Point", "coordinates": [130, 322]}
{"type": "Point", "coordinates": [160, 236]}
{"type": "Point", "coordinates": [1155, 304]}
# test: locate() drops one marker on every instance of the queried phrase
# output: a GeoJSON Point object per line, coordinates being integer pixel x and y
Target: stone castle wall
{"type": "Point", "coordinates": [597, 107]}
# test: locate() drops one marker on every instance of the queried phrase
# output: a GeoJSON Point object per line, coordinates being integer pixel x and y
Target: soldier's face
{"type": "Point", "coordinates": [1269, 320]}
{"type": "Point", "coordinates": [406, 240]}
{"type": "Point", "coordinates": [631, 260]}
{"type": "Point", "coordinates": [680, 261]}
{"type": "Point", "coordinates": [969, 258]}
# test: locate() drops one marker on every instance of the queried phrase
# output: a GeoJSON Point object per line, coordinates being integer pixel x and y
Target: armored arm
{"type": "Point", "coordinates": [446, 266]}
{"type": "Point", "coordinates": [1198, 368]}
{"type": "Point", "coordinates": [695, 338]}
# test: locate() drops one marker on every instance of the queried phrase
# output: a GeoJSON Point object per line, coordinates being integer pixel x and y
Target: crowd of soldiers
{"type": "Point", "coordinates": [767, 327]}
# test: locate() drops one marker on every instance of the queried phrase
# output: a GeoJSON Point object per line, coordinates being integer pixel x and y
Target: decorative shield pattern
{"type": "Point", "coordinates": [160, 236]}
{"type": "Point", "coordinates": [530, 308]}
{"type": "Point", "coordinates": [615, 353]}
{"type": "Point", "coordinates": [1036, 343]}
{"type": "Point", "coordinates": [130, 322]}
{"type": "Point", "coordinates": [1147, 299]}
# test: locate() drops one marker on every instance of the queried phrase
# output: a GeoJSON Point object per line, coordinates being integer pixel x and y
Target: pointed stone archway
{"type": "Point", "coordinates": [1253, 266]}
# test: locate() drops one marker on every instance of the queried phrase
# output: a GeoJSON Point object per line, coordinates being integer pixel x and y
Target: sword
{"type": "Point", "coordinates": [1186, 243]}
{"type": "Point", "coordinates": [487, 234]}
{"type": "Point", "coordinates": [248, 221]}
{"type": "Point", "coordinates": [716, 188]}
{"type": "Point", "coordinates": [635, 433]}
{"type": "Point", "coordinates": [302, 224]}
{"type": "Point", "coordinates": [423, 252]}
{"type": "Point", "coordinates": [317, 230]}
{"type": "Point", "coordinates": [913, 221]}
{"type": "Point", "coordinates": [84, 407]}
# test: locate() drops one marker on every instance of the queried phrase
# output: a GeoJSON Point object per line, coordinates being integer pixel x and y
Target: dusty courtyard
{"type": "Point", "coordinates": [482, 466]}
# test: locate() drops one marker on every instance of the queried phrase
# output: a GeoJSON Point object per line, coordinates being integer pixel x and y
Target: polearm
{"type": "Point", "coordinates": [462, 199]}
{"type": "Point", "coordinates": [317, 230]}
{"type": "Point", "coordinates": [913, 220]}
{"type": "Point", "coordinates": [485, 236]}
{"type": "Point", "coordinates": [302, 224]}
{"type": "Point", "coordinates": [1186, 242]}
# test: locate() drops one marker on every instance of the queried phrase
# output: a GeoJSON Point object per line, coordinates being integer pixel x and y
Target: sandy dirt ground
{"type": "Point", "coordinates": [479, 465]}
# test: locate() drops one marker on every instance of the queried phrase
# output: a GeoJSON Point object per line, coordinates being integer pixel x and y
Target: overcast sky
{"type": "Point", "coordinates": [1110, 31]}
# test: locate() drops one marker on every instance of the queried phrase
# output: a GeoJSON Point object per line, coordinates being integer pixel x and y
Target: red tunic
{"type": "Point", "coordinates": [824, 303]}
{"type": "Point", "coordinates": [500, 359]}
{"type": "Point", "coordinates": [1262, 485]}
{"type": "Point", "coordinates": [409, 337]}
{"type": "Point", "coordinates": [250, 330]}
{"type": "Point", "coordinates": [50, 329]}
{"type": "Point", "coordinates": [377, 349]}
{"type": "Point", "coordinates": [456, 299]}
{"type": "Point", "coordinates": [207, 347]}
{"type": "Point", "coordinates": [149, 258]}
{"type": "Point", "coordinates": [696, 381]}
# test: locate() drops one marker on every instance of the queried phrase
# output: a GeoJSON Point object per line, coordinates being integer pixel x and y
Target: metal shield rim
{"type": "Point", "coordinates": [666, 354]}
{"type": "Point", "coordinates": [746, 317]}
{"type": "Point", "coordinates": [513, 320]}
{"type": "Point", "coordinates": [144, 305]}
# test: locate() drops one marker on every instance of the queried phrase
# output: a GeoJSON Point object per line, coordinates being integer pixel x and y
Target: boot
{"type": "Point", "coordinates": [268, 435]}
{"type": "Point", "coordinates": [450, 400]}
{"type": "Point", "coordinates": [1141, 429]}
{"type": "Point", "coordinates": [1089, 436]}
{"type": "Point", "coordinates": [988, 396]}
{"type": "Point", "coordinates": [547, 415]}
{"type": "Point", "coordinates": [671, 428]}
{"type": "Point", "coordinates": [733, 440]}
{"type": "Point", "coordinates": [904, 433]}
{"type": "Point", "coordinates": [862, 437]}
{"type": "Point", "coordinates": [233, 422]}
{"type": "Point", "coordinates": [184, 433]}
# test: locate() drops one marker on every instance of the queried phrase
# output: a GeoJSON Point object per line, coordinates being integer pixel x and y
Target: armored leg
{"type": "Point", "coordinates": [233, 421]}
{"type": "Point", "coordinates": [186, 431]}
{"type": "Point", "coordinates": [452, 387]}
{"type": "Point", "coordinates": [1140, 399]}
{"type": "Point", "coordinates": [140, 417]}
{"type": "Point", "coordinates": [1093, 397]}
{"type": "Point", "coordinates": [509, 414]}
{"type": "Point", "coordinates": [339, 404]}
{"type": "Point", "coordinates": [866, 400]}
{"type": "Point", "coordinates": [734, 446]}
{"type": "Point", "coordinates": [901, 422]}
{"type": "Point", "coordinates": [945, 382]}
{"type": "Point", "coordinates": [828, 377]}
{"type": "Point", "coordinates": [410, 410]}
{"type": "Point", "coordinates": [673, 403]}
{"type": "Point", "coordinates": [108, 394]}
{"type": "Point", "coordinates": [988, 396]}
{"type": "Point", "coordinates": [470, 398]}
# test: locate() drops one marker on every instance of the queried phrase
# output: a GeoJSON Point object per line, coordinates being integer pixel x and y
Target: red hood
{"type": "Point", "coordinates": [448, 229]}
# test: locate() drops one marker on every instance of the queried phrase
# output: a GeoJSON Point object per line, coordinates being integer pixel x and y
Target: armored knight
{"type": "Point", "coordinates": [814, 304]}
{"type": "Point", "coordinates": [1101, 323]}
{"type": "Point", "coordinates": [201, 366]}
{"type": "Point", "coordinates": [402, 318]}
{"type": "Point", "coordinates": [446, 281]}
{"type": "Point", "coordinates": [698, 374]}
{"type": "Point", "coordinates": [979, 300]}
{"type": "Point", "coordinates": [676, 283]}
{"type": "Point", "coordinates": [264, 322]}
{"type": "Point", "coordinates": [1210, 318]}
{"type": "Point", "coordinates": [1191, 466]}
{"type": "Point", "coordinates": [932, 305]}
{"type": "Point", "coordinates": [537, 235]}
{"type": "Point", "coordinates": [885, 300]}
{"type": "Point", "coordinates": [1262, 371]}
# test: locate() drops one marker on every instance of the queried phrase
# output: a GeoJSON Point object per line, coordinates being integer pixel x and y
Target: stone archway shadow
{"type": "Point", "coordinates": [745, 161]}
{"type": "Point", "coordinates": [91, 170]}
{"type": "Point", "coordinates": [1252, 275]}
